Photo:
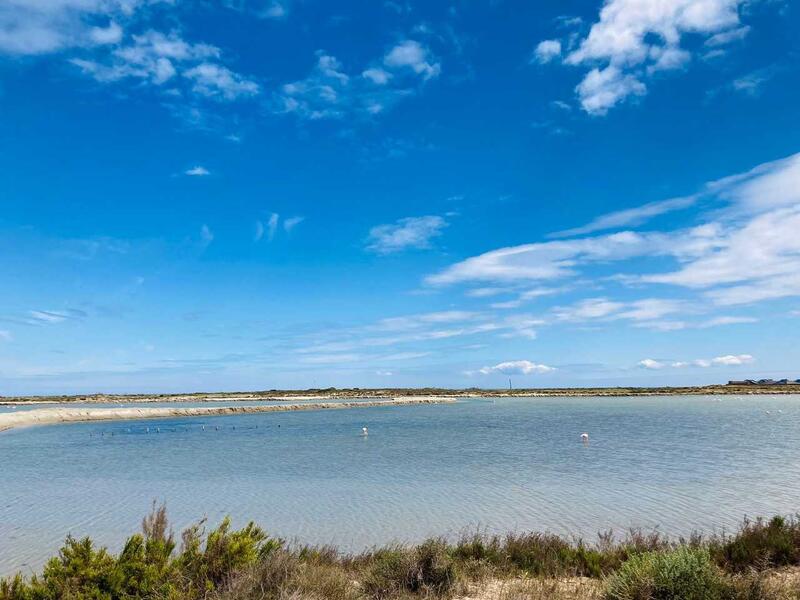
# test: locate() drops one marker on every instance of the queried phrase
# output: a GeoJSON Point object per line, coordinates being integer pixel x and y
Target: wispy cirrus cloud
{"type": "Point", "coordinates": [415, 233]}
{"type": "Point", "coordinates": [745, 251]}
{"type": "Point", "coordinates": [330, 92]}
{"type": "Point", "coordinates": [172, 65]}
{"type": "Point", "coordinates": [410, 335]}
{"type": "Point", "coordinates": [728, 360]}
{"type": "Point", "coordinates": [561, 259]}
{"type": "Point", "coordinates": [269, 228]}
{"type": "Point", "coordinates": [206, 235]}
{"type": "Point", "coordinates": [630, 217]}
{"type": "Point", "coordinates": [517, 367]}
{"type": "Point", "coordinates": [292, 222]}
{"type": "Point", "coordinates": [47, 317]}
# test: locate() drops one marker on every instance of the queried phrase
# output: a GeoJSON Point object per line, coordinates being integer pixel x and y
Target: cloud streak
{"type": "Point", "coordinates": [728, 360]}
{"type": "Point", "coordinates": [517, 367]}
{"type": "Point", "coordinates": [410, 233]}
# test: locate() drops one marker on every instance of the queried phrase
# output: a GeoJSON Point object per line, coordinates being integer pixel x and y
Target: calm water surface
{"type": "Point", "coordinates": [678, 463]}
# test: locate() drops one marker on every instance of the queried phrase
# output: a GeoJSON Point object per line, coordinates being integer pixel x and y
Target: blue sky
{"type": "Point", "coordinates": [254, 194]}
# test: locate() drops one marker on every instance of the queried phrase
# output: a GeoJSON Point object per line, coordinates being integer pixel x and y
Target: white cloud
{"type": "Point", "coordinates": [603, 89]}
{"type": "Point", "coordinates": [649, 363]}
{"type": "Point", "coordinates": [398, 356]}
{"type": "Point", "coordinates": [334, 358]}
{"type": "Point", "coordinates": [729, 360]}
{"type": "Point", "coordinates": [197, 171]}
{"type": "Point", "coordinates": [412, 55]}
{"type": "Point", "coordinates": [645, 312]}
{"type": "Point", "coordinates": [215, 81]}
{"type": "Point", "coordinates": [769, 185]}
{"type": "Point", "coordinates": [757, 291]}
{"type": "Point", "coordinates": [517, 367]}
{"type": "Point", "coordinates": [748, 250]}
{"type": "Point", "coordinates": [157, 58]}
{"type": "Point", "coordinates": [330, 93]}
{"type": "Point", "coordinates": [272, 226]}
{"type": "Point", "coordinates": [322, 94]}
{"type": "Point", "coordinates": [633, 39]}
{"type": "Point", "coordinates": [206, 235]}
{"type": "Point", "coordinates": [629, 217]}
{"type": "Point", "coordinates": [591, 308]}
{"type": "Point", "coordinates": [546, 51]}
{"type": "Point", "coordinates": [30, 27]}
{"type": "Point", "coordinates": [750, 84]}
{"type": "Point", "coordinates": [377, 76]}
{"type": "Point", "coordinates": [421, 320]}
{"type": "Point", "coordinates": [767, 247]}
{"type": "Point", "coordinates": [406, 333]}
{"type": "Point", "coordinates": [43, 317]}
{"type": "Point", "coordinates": [152, 56]}
{"type": "Point", "coordinates": [562, 258]}
{"type": "Point", "coordinates": [726, 37]}
{"type": "Point", "coordinates": [732, 360]}
{"type": "Point", "coordinates": [5, 335]}
{"type": "Point", "coordinates": [275, 10]}
{"type": "Point", "coordinates": [726, 320]}
{"type": "Point", "coordinates": [404, 234]}
{"type": "Point", "coordinates": [485, 292]}
{"type": "Point", "coordinates": [292, 222]}
{"type": "Point", "coordinates": [112, 34]}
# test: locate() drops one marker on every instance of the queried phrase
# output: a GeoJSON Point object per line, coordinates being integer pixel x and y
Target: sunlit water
{"type": "Point", "coordinates": [678, 463]}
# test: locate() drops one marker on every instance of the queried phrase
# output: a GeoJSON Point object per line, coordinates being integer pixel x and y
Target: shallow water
{"type": "Point", "coordinates": [679, 463]}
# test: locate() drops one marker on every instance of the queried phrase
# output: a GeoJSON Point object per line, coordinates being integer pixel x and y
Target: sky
{"type": "Point", "coordinates": [270, 194]}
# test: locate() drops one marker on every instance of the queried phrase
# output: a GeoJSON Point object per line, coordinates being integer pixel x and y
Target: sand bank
{"type": "Point", "coordinates": [50, 416]}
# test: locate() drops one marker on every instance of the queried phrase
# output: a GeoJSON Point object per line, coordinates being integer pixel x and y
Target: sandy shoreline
{"type": "Point", "coordinates": [50, 416]}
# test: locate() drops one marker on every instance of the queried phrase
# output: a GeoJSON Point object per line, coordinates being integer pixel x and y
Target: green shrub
{"type": "Point", "coordinates": [205, 568]}
{"type": "Point", "coordinates": [432, 571]}
{"type": "Point", "coordinates": [268, 579]}
{"type": "Point", "coordinates": [427, 569]}
{"type": "Point", "coordinates": [144, 567]}
{"type": "Point", "coordinates": [15, 588]}
{"type": "Point", "coordinates": [760, 545]}
{"type": "Point", "coordinates": [681, 574]}
{"type": "Point", "coordinates": [79, 571]}
{"type": "Point", "coordinates": [387, 573]}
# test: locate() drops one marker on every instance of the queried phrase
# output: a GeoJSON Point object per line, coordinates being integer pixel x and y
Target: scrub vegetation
{"type": "Point", "coordinates": [759, 562]}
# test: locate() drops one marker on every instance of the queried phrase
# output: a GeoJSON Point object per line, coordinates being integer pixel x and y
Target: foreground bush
{"type": "Point", "coordinates": [681, 574]}
{"type": "Point", "coordinates": [428, 568]}
{"type": "Point", "coordinates": [761, 545]}
{"type": "Point", "coordinates": [247, 564]}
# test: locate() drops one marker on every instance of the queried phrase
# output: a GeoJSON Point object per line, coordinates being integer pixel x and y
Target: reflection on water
{"type": "Point", "coordinates": [679, 463]}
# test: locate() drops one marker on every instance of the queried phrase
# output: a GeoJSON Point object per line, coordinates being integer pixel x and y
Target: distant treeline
{"type": "Point", "coordinates": [731, 388]}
